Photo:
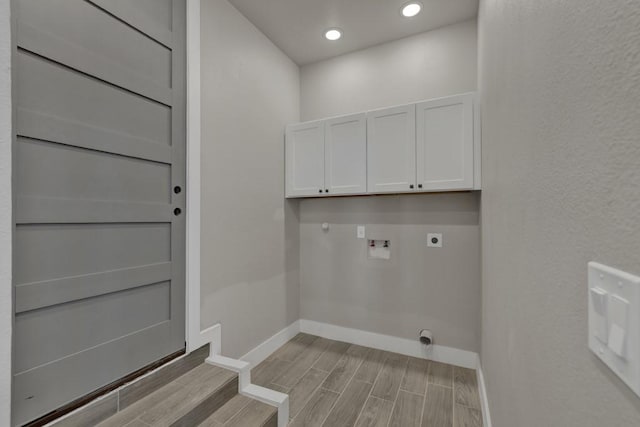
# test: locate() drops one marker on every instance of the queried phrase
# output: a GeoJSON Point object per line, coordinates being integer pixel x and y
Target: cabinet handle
{"type": "Point", "coordinates": [411, 186]}
{"type": "Point", "coordinates": [419, 185]}
{"type": "Point", "coordinates": [177, 211]}
{"type": "Point", "coordinates": [320, 190]}
{"type": "Point", "coordinates": [177, 189]}
{"type": "Point", "coordinates": [326, 190]}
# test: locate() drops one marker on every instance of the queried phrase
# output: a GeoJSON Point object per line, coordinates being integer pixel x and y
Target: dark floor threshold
{"type": "Point", "coordinates": [69, 407]}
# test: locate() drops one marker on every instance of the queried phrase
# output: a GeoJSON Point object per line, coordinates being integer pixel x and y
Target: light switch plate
{"type": "Point", "coordinates": [614, 304]}
{"type": "Point", "coordinates": [360, 231]}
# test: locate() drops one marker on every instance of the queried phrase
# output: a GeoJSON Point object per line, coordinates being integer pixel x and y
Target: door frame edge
{"type": "Point", "coordinates": [193, 334]}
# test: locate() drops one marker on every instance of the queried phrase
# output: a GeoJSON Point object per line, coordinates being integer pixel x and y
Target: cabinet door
{"type": "Point", "coordinates": [346, 155]}
{"type": "Point", "coordinates": [391, 150]}
{"type": "Point", "coordinates": [445, 143]}
{"type": "Point", "coordinates": [304, 158]}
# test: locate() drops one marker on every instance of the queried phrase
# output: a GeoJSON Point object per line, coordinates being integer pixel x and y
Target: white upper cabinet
{"type": "Point", "coordinates": [346, 155]}
{"type": "Point", "coordinates": [444, 143]}
{"type": "Point", "coordinates": [304, 159]}
{"type": "Point", "coordinates": [429, 146]}
{"type": "Point", "coordinates": [391, 150]}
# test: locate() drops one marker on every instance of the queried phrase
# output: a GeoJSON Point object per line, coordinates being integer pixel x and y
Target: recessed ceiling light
{"type": "Point", "coordinates": [333, 34]}
{"type": "Point", "coordinates": [411, 9]}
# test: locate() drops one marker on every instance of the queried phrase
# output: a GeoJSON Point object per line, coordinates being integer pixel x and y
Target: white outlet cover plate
{"type": "Point", "coordinates": [618, 286]}
{"type": "Point", "coordinates": [360, 232]}
{"type": "Point", "coordinates": [430, 238]}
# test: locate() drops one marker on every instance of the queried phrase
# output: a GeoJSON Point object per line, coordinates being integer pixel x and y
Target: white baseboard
{"type": "Point", "coordinates": [263, 350]}
{"type": "Point", "coordinates": [243, 367]}
{"type": "Point", "coordinates": [484, 401]}
{"type": "Point", "coordinates": [261, 394]}
{"type": "Point", "coordinates": [270, 397]}
{"type": "Point", "coordinates": [212, 336]}
{"type": "Point", "coordinates": [438, 353]}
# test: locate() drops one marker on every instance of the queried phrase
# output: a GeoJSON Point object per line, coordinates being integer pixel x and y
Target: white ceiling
{"type": "Point", "coordinates": [297, 26]}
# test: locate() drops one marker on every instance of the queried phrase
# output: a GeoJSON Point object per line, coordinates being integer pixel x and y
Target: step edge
{"type": "Point", "coordinates": [270, 397]}
{"type": "Point", "coordinates": [186, 419]}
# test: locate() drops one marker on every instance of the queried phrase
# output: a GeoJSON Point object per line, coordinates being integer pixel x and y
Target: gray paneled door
{"type": "Point", "coordinates": [99, 160]}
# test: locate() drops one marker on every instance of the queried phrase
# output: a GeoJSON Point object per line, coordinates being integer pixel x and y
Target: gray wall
{"type": "Point", "coordinates": [250, 91]}
{"type": "Point", "coordinates": [6, 310]}
{"type": "Point", "coordinates": [560, 87]}
{"type": "Point", "coordinates": [428, 65]}
{"type": "Point", "coordinates": [419, 287]}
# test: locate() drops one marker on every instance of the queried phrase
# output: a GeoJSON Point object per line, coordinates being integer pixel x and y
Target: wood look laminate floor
{"type": "Point", "coordinates": [332, 384]}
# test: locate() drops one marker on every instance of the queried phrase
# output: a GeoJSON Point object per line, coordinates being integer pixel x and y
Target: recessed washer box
{"type": "Point", "coordinates": [614, 321]}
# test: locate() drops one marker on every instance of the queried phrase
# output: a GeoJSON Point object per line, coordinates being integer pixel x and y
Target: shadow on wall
{"type": "Point", "coordinates": [436, 208]}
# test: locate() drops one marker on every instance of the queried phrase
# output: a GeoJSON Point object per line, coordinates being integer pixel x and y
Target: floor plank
{"type": "Point", "coordinates": [371, 366]}
{"type": "Point", "coordinates": [407, 411]}
{"type": "Point", "coordinates": [266, 371]}
{"type": "Point", "coordinates": [209, 422]}
{"type": "Point", "coordinates": [345, 368]}
{"type": "Point", "coordinates": [316, 410]}
{"type": "Point", "coordinates": [466, 417]}
{"type": "Point", "coordinates": [179, 404]}
{"type": "Point", "coordinates": [302, 363]}
{"type": "Point", "coordinates": [131, 393]}
{"type": "Point", "coordinates": [349, 404]}
{"type": "Point", "coordinates": [465, 387]}
{"type": "Point", "coordinates": [415, 376]}
{"type": "Point", "coordinates": [376, 413]}
{"type": "Point", "coordinates": [93, 413]}
{"type": "Point", "coordinates": [303, 390]}
{"type": "Point", "coordinates": [293, 348]}
{"type": "Point", "coordinates": [330, 357]}
{"type": "Point", "coordinates": [279, 388]}
{"type": "Point", "coordinates": [390, 376]}
{"type": "Point", "coordinates": [440, 374]}
{"type": "Point", "coordinates": [141, 406]}
{"type": "Point", "coordinates": [254, 414]}
{"type": "Point", "coordinates": [231, 408]}
{"type": "Point", "coordinates": [136, 423]}
{"type": "Point", "coordinates": [438, 407]}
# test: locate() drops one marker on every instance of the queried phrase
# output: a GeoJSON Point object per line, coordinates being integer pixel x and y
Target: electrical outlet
{"type": "Point", "coordinates": [434, 240]}
{"type": "Point", "coordinates": [360, 232]}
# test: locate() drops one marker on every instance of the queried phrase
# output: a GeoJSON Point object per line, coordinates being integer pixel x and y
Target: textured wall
{"type": "Point", "coordinates": [6, 310]}
{"type": "Point", "coordinates": [560, 87]}
{"type": "Point", "coordinates": [428, 65]}
{"type": "Point", "coordinates": [419, 287]}
{"type": "Point", "coordinates": [250, 91]}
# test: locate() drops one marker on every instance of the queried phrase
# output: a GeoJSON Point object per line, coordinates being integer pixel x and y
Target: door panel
{"type": "Point", "coordinates": [38, 254]}
{"type": "Point", "coordinates": [346, 155]}
{"type": "Point", "coordinates": [391, 150]}
{"type": "Point", "coordinates": [99, 286]}
{"type": "Point", "coordinates": [54, 170]}
{"type": "Point", "coordinates": [304, 158]}
{"type": "Point", "coordinates": [60, 30]}
{"type": "Point", "coordinates": [104, 363]}
{"type": "Point", "coordinates": [89, 322]}
{"type": "Point", "coordinates": [51, 89]}
{"type": "Point", "coordinates": [445, 143]}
